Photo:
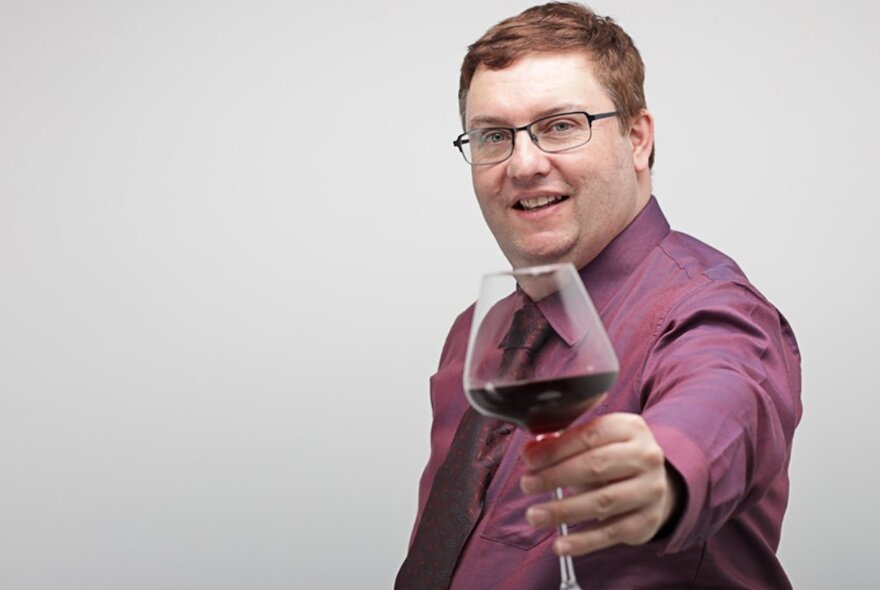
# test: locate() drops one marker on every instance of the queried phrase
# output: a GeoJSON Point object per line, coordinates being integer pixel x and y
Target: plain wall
{"type": "Point", "coordinates": [233, 236]}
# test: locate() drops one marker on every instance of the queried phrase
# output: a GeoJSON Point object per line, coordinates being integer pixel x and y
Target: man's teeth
{"type": "Point", "coordinates": [539, 202]}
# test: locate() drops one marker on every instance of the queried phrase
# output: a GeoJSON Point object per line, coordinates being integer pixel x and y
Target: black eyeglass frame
{"type": "Point", "coordinates": [463, 138]}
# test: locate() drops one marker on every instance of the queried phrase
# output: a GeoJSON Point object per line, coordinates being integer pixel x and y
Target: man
{"type": "Point", "coordinates": [678, 479]}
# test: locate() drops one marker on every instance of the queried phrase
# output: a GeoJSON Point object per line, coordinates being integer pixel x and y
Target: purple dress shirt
{"type": "Point", "coordinates": [715, 371]}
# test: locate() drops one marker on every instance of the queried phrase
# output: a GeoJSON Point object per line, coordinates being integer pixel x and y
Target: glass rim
{"type": "Point", "coordinates": [532, 271]}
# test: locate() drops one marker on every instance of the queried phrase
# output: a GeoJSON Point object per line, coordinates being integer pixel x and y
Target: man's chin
{"type": "Point", "coordinates": [540, 256]}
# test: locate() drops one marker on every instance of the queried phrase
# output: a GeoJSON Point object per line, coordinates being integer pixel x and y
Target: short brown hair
{"type": "Point", "coordinates": [564, 26]}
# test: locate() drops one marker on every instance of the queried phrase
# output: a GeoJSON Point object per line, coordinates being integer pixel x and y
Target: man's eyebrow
{"type": "Point", "coordinates": [490, 121]}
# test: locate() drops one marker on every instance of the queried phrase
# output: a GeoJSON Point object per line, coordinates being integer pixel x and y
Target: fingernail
{"type": "Point", "coordinates": [537, 516]}
{"type": "Point", "coordinates": [532, 457]}
{"type": "Point", "coordinates": [528, 484]}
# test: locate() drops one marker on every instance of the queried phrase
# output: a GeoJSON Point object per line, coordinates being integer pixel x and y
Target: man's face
{"type": "Point", "coordinates": [593, 189]}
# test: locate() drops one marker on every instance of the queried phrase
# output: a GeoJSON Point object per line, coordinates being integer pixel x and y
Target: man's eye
{"type": "Point", "coordinates": [562, 126]}
{"type": "Point", "coordinates": [494, 137]}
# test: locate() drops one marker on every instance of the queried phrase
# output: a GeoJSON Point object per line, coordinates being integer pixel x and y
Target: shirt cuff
{"type": "Point", "coordinates": [690, 462]}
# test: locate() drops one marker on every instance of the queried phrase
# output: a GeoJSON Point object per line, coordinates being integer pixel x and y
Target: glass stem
{"type": "Point", "coordinates": [566, 566]}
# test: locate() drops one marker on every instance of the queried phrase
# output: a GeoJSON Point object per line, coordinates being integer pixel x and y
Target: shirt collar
{"type": "Point", "coordinates": [607, 273]}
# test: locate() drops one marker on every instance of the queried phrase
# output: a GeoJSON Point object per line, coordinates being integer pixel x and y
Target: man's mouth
{"type": "Point", "coordinates": [538, 202]}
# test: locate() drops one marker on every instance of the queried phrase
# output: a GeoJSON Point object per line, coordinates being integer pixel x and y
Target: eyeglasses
{"type": "Point", "coordinates": [552, 134]}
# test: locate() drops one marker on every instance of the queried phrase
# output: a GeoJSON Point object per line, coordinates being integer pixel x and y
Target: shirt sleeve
{"type": "Point", "coordinates": [722, 397]}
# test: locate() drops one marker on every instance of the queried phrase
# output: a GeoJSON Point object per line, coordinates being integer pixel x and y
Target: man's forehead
{"type": "Point", "coordinates": [480, 120]}
{"type": "Point", "coordinates": [534, 85]}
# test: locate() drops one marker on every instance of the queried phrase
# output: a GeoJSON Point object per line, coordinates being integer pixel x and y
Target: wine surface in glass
{"type": "Point", "coordinates": [543, 406]}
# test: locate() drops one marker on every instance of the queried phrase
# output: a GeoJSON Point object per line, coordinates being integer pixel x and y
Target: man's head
{"type": "Point", "coordinates": [560, 27]}
{"type": "Point", "coordinates": [564, 206]}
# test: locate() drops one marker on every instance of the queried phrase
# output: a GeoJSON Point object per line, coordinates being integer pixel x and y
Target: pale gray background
{"type": "Point", "coordinates": [233, 236]}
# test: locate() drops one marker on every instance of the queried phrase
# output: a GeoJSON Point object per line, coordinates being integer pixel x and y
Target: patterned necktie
{"type": "Point", "coordinates": [456, 499]}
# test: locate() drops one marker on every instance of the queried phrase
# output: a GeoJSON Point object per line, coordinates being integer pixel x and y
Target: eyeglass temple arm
{"type": "Point", "coordinates": [601, 116]}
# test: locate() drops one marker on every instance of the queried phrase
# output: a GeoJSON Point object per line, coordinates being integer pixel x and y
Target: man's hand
{"type": "Point", "coordinates": [616, 474]}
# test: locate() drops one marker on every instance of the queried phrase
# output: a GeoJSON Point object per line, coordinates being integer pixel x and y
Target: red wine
{"type": "Point", "coordinates": [543, 406]}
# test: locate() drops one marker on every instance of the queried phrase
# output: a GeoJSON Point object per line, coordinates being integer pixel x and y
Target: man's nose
{"type": "Point", "coordinates": [527, 159]}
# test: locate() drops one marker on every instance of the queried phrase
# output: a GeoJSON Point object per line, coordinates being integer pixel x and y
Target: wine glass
{"type": "Point", "coordinates": [558, 376]}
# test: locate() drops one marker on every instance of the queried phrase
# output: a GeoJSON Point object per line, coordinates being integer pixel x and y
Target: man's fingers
{"type": "Point", "coordinates": [602, 465]}
{"type": "Point", "coordinates": [601, 431]}
{"type": "Point", "coordinates": [601, 504]}
{"type": "Point", "coordinates": [609, 463]}
{"type": "Point", "coordinates": [619, 469]}
{"type": "Point", "coordinates": [633, 528]}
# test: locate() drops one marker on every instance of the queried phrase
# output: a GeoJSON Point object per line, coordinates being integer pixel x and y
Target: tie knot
{"type": "Point", "coordinates": [528, 329]}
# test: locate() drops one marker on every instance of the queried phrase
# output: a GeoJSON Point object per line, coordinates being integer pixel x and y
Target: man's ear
{"type": "Point", "coordinates": [641, 138]}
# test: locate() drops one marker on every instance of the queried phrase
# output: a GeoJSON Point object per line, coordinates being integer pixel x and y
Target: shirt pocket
{"type": "Point", "coordinates": [506, 518]}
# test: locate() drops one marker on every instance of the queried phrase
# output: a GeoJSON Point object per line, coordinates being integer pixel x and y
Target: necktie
{"type": "Point", "coordinates": [528, 332]}
{"type": "Point", "coordinates": [456, 499]}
